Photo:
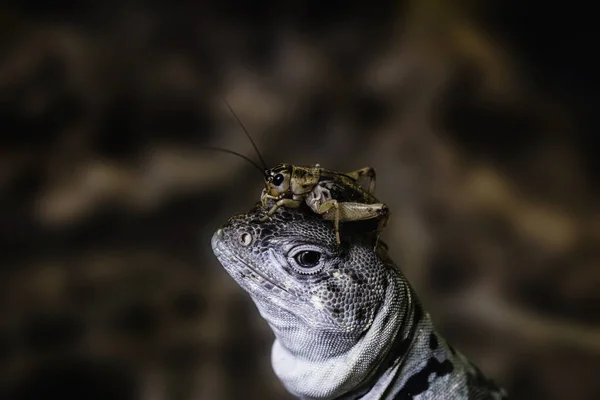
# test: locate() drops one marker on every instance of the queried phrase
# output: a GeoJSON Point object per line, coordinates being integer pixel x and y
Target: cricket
{"type": "Point", "coordinates": [336, 196]}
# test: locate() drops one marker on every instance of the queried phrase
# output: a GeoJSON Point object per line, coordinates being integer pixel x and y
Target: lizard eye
{"type": "Point", "coordinates": [308, 258]}
{"type": "Point", "coordinates": [278, 179]}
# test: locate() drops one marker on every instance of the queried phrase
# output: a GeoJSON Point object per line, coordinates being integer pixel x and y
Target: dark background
{"type": "Point", "coordinates": [477, 115]}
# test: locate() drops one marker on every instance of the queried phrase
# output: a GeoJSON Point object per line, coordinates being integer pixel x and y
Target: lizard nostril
{"type": "Point", "coordinates": [246, 239]}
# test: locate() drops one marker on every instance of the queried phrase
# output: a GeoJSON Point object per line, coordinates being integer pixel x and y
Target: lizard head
{"type": "Point", "coordinates": [346, 322]}
{"type": "Point", "coordinates": [334, 309]}
{"type": "Point", "coordinates": [297, 274]}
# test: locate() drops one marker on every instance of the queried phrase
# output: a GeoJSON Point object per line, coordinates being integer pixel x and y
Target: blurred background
{"type": "Point", "coordinates": [477, 115]}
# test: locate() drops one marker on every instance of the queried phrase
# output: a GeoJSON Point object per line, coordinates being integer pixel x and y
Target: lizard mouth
{"type": "Point", "coordinates": [266, 280]}
{"type": "Point", "coordinates": [247, 270]}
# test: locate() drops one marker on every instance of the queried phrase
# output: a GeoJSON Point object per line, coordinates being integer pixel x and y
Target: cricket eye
{"type": "Point", "coordinates": [308, 258]}
{"type": "Point", "coordinates": [278, 179]}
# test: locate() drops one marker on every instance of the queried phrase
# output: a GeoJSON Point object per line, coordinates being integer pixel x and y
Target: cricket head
{"type": "Point", "coordinates": [299, 278]}
{"type": "Point", "coordinates": [278, 181]}
{"type": "Point", "coordinates": [287, 180]}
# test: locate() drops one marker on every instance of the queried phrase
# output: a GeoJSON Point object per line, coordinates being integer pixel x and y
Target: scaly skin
{"type": "Point", "coordinates": [346, 321]}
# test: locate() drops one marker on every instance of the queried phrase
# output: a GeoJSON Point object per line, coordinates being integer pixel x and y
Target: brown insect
{"type": "Point", "coordinates": [337, 196]}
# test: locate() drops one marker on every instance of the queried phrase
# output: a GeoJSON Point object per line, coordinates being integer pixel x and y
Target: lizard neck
{"type": "Point", "coordinates": [428, 369]}
{"type": "Point", "coordinates": [401, 356]}
{"type": "Point", "coordinates": [330, 374]}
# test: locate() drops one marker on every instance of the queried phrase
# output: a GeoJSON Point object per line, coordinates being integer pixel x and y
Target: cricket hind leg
{"type": "Point", "coordinates": [349, 211]}
{"type": "Point", "coordinates": [361, 211]}
{"type": "Point", "coordinates": [367, 172]}
{"type": "Point", "coordinates": [383, 220]}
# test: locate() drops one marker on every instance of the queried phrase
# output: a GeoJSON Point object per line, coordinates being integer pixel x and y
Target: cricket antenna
{"type": "Point", "coordinates": [255, 165]}
{"type": "Point", "coordinates": [248, 135]}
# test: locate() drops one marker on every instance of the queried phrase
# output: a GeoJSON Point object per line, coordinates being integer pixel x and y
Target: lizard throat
{"type": "Point", "coordinates": [325, 377]}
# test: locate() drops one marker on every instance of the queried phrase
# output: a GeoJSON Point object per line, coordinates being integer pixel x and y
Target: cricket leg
{"type": "Point", "coordinates": [349, 211]}
{"type": "Point", "coordinates": [325, 210]}
{"type": "Point", "coordinates": [290, 203]}
{"type": "Point", "coordinates": [383, 220]}
{"type": "Point", "coordinates": [264, 196]}
{"type": "Point", "coordinates": [366, 171]}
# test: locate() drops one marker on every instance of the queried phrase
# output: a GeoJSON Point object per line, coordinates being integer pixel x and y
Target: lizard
{"type": "Point", "coordinates": [346, 321]}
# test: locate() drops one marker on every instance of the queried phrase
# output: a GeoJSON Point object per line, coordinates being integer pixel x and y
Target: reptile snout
{"type": "Point", "coordinates": [228, 236]}
{"type": "Point", "coordinates": [217, 241]}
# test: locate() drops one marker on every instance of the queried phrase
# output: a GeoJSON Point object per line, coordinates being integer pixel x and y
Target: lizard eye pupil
{"type": "Point", "coordinates": [308, 259]}
{"type": "Point", "coordinates": [278, 179]}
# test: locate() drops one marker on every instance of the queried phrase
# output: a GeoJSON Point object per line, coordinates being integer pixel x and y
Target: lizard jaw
{"type": "Point", "coordinates": [238, 268]}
